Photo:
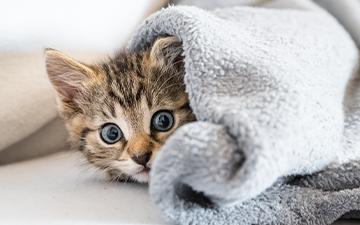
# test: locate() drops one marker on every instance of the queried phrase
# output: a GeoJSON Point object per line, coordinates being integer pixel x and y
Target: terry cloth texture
{"type": "Point", "coordinates": [276, 95]}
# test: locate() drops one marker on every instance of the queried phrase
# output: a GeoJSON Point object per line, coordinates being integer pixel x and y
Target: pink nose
{"type": "Point", "coordinates": [142, 159]}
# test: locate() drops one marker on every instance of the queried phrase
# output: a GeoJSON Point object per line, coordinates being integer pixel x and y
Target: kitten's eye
{"type": "Point", "coordinates": [110, 133]}
{"type": "Point", "coordinates": [162, 121]}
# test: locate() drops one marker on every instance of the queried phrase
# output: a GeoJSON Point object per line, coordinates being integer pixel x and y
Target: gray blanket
{"type": "Point", "coordinates": [276, 95]}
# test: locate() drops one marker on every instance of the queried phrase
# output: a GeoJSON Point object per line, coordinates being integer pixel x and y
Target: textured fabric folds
{"type": "Point", "coordinates": [276, 97]}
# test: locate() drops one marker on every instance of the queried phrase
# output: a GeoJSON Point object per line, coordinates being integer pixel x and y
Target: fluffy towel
{"type": "Point", "coordinates": [267, 86]}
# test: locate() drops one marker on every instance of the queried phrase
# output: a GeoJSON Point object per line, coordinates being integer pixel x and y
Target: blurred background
{"type": "Point", "coordinates": [70, 25]}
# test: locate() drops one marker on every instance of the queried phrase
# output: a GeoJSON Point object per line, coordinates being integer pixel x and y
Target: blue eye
{"type": "Point", "coordinates": [110, 133]}
{"type": "Point", "coordinates": [162, 121]}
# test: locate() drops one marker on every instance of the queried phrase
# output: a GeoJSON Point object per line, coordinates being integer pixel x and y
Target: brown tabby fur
{"type": "Point", "coordinates": [126, 90]}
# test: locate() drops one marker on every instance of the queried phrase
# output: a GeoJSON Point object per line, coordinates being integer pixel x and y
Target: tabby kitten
{"type": "Point", "coordinates": [119, 113]}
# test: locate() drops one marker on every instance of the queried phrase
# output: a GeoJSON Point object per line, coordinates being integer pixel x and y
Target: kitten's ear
{"type": "Point", "coordinates": [66, 74]}
{"type": "Point", "coordinates": [167, 49]}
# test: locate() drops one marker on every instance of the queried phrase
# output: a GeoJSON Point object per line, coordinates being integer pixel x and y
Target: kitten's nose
{"type": "Point", "coordinates": [142, 159]}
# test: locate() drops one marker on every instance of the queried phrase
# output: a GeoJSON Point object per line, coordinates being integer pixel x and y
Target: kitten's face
{"type": "Point", "coordinates": [120, 113]}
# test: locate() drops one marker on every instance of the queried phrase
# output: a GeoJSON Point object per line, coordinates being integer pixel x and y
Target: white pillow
{"type": "Point", "coordinates": [27, 100]}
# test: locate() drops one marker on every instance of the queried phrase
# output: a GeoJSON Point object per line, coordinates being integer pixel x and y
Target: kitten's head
{"type": "Point", "coordinates": [119, 113]}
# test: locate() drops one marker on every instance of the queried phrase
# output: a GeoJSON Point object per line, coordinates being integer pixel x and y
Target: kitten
{"type": "Point", "coordinates": [119, 113]}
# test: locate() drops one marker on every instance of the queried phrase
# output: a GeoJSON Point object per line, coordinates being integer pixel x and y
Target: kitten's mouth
{"type": "Point", "coordinates": [146, 170]}
{"type": "Point", "coordinates": [143, 175]}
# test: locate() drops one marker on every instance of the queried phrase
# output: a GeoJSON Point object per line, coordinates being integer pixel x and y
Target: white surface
{"type": "Point", "coordinates": [67, 24]}
{"type": "Point", "coordinates": [59, 189]}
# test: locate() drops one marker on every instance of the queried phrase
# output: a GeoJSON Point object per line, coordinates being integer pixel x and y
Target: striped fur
{"type": "Point", "coordinates": [127, 90]}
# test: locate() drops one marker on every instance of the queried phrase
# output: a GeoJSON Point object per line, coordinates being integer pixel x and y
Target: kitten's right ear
{"type": "Point", "coordinates": [66, 74]}
{"type": "Point", "coordinates": [168, 49]}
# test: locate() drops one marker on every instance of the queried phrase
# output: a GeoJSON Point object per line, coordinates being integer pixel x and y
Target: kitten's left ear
{"type": "Point", "coordinates": [167, 49]}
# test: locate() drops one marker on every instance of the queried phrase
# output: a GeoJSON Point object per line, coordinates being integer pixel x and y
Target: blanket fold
{"type": "Point", "coordinates": [267, 87]}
